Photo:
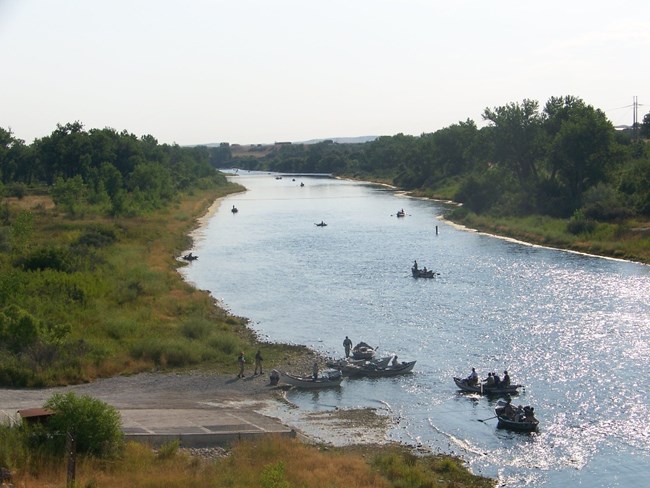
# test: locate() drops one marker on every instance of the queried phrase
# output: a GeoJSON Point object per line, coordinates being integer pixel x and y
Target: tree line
{"type": "Point", "coordinates": [564, 160]}
{"type": "Point", "coordinates": [112, 172]}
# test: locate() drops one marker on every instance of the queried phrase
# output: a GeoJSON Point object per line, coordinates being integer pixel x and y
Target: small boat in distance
{"type": "Point", "coordinates": [322, 224]}
{"type": "Point", "coordinates": [234, 209]}
{"type": "Point", "coordinates": [190, 257]}
{"type": "Point", "coordinates": [400, 213]}
{"type": "Point", "coordinates": [422, 272]}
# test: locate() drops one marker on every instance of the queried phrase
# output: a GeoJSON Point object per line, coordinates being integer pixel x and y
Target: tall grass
{"type": "Point", "coordinates": [270, 462]}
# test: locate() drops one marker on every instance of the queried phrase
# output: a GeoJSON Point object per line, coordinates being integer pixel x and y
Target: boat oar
{"type": "Point", "coordinates": [483, 420]}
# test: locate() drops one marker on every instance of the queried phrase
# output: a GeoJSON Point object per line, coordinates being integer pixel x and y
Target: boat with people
{"type": "Point", "coordinates": [326, 379]}
{"type": "Point", "coordinates": [422, 272]}
{"type": "Point", "coordinates": [401, 213]}
{"type": "Point", "coordinates": [483, 389]}
{"type": "Point", "coordinates": [363, 351]}
{"type": "Point", "coordinates": [371, 370]}
{"type": "Point", "coordinates": [190, 257]}
{"type": "Point", "coordinates": [234, 209]}
{"type": "Point", "coordinates": [321, 224]}
{"type": "Point", "coordinates": [518, 419]}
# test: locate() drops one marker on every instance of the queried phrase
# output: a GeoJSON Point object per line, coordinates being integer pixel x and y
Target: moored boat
{"type": "Point", "coordinates": [372, 371]}
{"type": "Point", "coordinates": [482, 389]}
{"type": "Point", "coordinates": [363, 351]}
{"type": "Point", "coordinates": [327, 379]}
{"type": "Point", "coordinates": [349, 365]}
{"type": "Point", "coordinates": [521, 419]}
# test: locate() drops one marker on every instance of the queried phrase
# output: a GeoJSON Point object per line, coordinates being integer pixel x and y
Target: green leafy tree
{"type": "Point", "coordinates": [69, 193]}
{"type": "Point", "coordinates": [581, 144]}
{"type": "Point", "coordinates": [645, 126]}
{"type": "Point", "coordinates": [516, 132]}
{"type": "Point", "coordinates": [95, 425]}
{"type": "Point", "coordinates": [18, 328]}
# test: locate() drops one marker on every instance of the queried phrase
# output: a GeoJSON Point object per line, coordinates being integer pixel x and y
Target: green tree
{"type": "Point", "coordinates": [645, 126]}
{"type": "Point", "coordinates": [69, 193]}
{"type": "Point", "coordinates": [95, 425]}
{"type": "Point", "coordinates": [516, 132]}
{"type": "Point", "coordinates": [18, 329]}
{"type": "Point", "coordinates": [581, 144]}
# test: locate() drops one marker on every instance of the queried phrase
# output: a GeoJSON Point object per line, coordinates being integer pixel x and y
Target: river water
{"type": "Point", "coordinates": [574, 329]}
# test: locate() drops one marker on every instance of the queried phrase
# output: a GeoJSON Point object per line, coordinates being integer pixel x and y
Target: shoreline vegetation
{"type": "Point", "coordinates": [144, 317]}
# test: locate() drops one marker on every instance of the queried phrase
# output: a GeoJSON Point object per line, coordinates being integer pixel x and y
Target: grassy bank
{"type": "Point", "coordinates": [268, 463]}
{"type": "Point", "coordinates": [101, 296]}
{"type": "Point", "coordinates": [629, 240]}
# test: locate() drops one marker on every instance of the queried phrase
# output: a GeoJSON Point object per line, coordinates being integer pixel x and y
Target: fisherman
{"type": "Point", "coordinates": [347, 344]}
{"type": "Point", "coordinates": [489, 381]}
{"type": "Point", "coordinates": [241, 361]}
{"type": "Point", "coordinates": [497, 380]}
{"type": "Point", "coordinates": [274, 377]}
{"type": "Point", "coordinates": [505, 382]}
{"type": "Point", "coordinates": [394, 362]}
{"type": "Point", "coordinates": [509, 411]}
{"type": "Point", "coordinates": [472, 379]}
{"type": "Point", "coordinates": [315, 370]}
{"type": "Point", "coordinates": [258, 362]}
{"type": "Point", "coordinates": [415, 265]}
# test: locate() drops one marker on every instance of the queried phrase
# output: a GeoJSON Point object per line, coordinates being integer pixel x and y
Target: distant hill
{"type": "Point", "coordinates": [341, 140]}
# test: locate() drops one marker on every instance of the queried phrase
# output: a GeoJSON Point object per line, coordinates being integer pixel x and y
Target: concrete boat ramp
{"type": "Point", "coordinates": [198, 427]}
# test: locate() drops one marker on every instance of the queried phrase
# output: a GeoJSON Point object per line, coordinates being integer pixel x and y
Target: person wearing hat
{"type": "Point", "coordinates": [241, 361]}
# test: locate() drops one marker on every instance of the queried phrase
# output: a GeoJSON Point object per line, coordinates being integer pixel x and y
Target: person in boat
{"type": "Point", "coordinates": [347, 344]}
{"type": "Point", "coordinates": [505, 382]}
{"type": "Point", "coordinates": [315, 371]}
{"type": "Point", "coordinates": [394, 362]}
{"type": "Point", "coordinates": [415, 265]}
{"type": "Point", "coordinates": [508, 410]}
{"type": "Point", "coordinates": [497, 380]}
{"type": "Point", "coordinates": [529, 414]}
{"type": "Point", "coordinates": [472, 379]}
{"type": "Point", "coordinates": [489, 381]}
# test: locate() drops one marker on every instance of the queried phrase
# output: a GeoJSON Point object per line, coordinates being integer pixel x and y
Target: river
{"type": "Point", "coordinates": [574, 329]}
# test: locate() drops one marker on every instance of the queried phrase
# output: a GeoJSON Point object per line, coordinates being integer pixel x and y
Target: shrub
{"type": "Point", "coordinates": [579, 224]}
{"type": "Point", "coordinates": [57, 259]}
{"type": "Point", "coordinates": [95, 425]}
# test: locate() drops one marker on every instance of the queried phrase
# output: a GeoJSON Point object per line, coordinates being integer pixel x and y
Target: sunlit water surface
{"type": "Point", "coordinates": [574, 329]}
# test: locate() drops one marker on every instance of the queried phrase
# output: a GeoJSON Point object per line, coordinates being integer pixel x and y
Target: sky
{"type": "Point", "coordinates": [260, 71]}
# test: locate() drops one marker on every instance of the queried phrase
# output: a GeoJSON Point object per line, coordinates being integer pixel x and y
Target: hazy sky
{"type": "Point", "coordinates": [259, 71]}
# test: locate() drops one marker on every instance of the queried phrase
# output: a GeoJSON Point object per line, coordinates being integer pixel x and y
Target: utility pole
{"type": "Point", "coordinates": [635, 117]}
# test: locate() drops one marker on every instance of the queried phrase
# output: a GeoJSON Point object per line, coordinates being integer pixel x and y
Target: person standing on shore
{"type": "Point", "coordinates": [315, 371]}
{"type": "Point", "coordinates": [241, 361]}
{"type": "Point", "coordinates": [258, 362]}
{"type": "Point", "coordinates": [347, 344]}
